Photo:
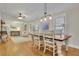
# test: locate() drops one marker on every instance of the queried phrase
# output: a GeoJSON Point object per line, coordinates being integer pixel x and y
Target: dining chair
{"type": "Point", "coordinates": [37, 41]}
{"type": "Point", "coordinates": [49, 43]}
{"type": "Point", "coordinates": [59, 34]}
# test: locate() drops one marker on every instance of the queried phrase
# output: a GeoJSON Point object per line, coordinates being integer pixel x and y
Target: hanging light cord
{"type": "Point", "coordinates": [45, 9]}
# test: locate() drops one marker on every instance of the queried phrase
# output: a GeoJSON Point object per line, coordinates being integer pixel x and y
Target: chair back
{"type": "Point", "coordinates": [48, 38]}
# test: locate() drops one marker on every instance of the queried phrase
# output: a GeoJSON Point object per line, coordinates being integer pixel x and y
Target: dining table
{"type": "Point", "coordinates": [60, 40]}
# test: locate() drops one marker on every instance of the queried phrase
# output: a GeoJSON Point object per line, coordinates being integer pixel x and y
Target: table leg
{"type": "Point", "coordinates": [59, 47]}
{"type": "Point", "coordinates": [66, 46]}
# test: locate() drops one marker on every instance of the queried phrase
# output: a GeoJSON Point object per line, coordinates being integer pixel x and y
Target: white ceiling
{"type": "Point", "coordinates": [33, 11]}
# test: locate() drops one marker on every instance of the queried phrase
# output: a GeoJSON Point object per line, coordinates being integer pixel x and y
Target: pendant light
{"type": "Point", "coordinates": [46, 16]}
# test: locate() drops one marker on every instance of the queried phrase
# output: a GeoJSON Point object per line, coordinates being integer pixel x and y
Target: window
{"type": "Point", "coordinates": [34, 27]}
{"type": "Point", "coordinates": [60, 25]}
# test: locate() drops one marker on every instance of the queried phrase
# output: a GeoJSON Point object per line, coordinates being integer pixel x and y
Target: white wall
{"type": "Point", "coordinates": [72, 26]}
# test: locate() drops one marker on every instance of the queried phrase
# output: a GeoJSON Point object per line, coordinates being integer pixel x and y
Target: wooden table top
{"type": "Point", "coordinates": [57, 37]}
{"type": "Point", "coordinates": [62, 38]}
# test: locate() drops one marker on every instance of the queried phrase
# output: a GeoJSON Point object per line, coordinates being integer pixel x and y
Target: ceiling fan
{"type": "Point", "coordinates": [21, 16]}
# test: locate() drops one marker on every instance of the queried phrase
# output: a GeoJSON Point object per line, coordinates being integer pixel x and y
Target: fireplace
{"type": "Point", "coordinates": [15, 33]}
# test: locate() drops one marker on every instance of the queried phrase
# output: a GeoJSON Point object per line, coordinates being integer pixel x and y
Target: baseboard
{"type": "Point", "coordinates": [73, 46]}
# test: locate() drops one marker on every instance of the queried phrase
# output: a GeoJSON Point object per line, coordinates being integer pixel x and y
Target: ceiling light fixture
{"type": "Point", "coordinates": [20, 16]}
{"type": "Point", "coordinates": [46, 16]}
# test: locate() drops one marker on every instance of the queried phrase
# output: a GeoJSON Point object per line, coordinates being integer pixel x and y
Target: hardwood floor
{"type": "Point", "coordinates": [25, 49]}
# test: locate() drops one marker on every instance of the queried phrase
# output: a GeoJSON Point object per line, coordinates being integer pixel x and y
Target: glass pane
{"type": "Point", "coordinates": [59, 25]}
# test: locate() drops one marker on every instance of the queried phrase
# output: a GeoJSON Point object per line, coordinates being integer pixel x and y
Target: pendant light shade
{"type": "Point", "coordinates": [50, 17]}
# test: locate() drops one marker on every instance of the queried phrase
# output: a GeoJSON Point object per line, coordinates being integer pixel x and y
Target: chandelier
{"type": "Point", "coordinates": [46, 15]}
